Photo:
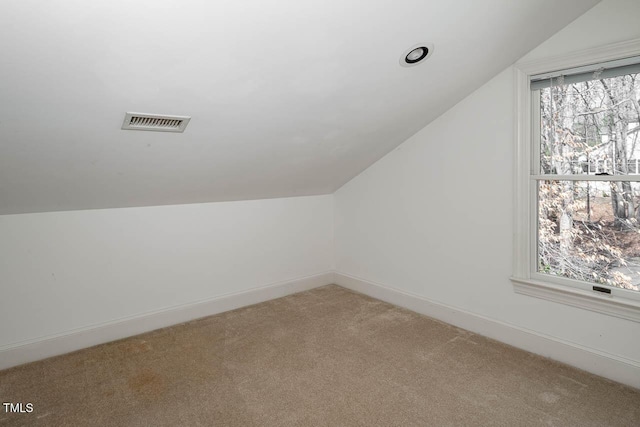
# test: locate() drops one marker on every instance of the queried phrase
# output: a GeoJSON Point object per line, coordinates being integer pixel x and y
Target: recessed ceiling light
{"type": "Point", "coordinates": [416, 54]}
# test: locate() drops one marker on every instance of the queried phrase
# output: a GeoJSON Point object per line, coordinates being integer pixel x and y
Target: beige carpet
{"type": "Point", "coordinates": [326, 357]}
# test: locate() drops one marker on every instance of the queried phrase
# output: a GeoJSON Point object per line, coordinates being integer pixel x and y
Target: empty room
{"type": "Point", "coordinates": [320, 213]}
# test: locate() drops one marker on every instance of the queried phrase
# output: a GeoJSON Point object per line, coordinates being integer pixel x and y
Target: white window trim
{"type": "Point", "coordinates": [524, 280]}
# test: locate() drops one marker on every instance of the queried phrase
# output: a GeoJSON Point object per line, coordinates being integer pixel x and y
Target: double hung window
{"type": "Point", "coordinates": [578, 195]}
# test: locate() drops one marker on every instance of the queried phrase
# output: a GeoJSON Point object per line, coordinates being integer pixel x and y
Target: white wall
{"type": "Point", "coordinates": [407, 223]}
{"type": "Point", "coordinates": [67, 270]}
{"type": "Point", "coordinates": [434, 217]}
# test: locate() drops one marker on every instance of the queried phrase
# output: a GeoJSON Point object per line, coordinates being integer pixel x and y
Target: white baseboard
{"type": "Point", "coordinates": [32, 350]}
{"type": "Point", "coordinates": [607, 365]}
{"type": "Point", "coordinates": [610, 366]}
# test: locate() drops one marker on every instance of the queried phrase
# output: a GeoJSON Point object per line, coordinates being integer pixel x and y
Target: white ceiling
{"type": "Point", "coordinates": [287, 97]}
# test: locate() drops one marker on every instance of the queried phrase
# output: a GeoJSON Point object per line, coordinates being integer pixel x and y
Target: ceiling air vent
{"type": "Point", "coordinates": [155, 122]}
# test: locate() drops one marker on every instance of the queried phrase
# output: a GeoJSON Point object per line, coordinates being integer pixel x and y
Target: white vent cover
{"type": "Point", "coordinates": [155, 122]}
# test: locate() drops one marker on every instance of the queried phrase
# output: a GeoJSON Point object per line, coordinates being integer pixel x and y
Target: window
{"type": "Point", "coordinates": [577, 237]}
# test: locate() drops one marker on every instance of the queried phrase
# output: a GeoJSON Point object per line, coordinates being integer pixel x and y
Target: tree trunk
{"type": "Point", "coordinates": [561, 138]}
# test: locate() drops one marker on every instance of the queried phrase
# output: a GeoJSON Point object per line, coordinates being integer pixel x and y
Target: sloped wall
{"type": "Point", "coordinates": [434, 217]}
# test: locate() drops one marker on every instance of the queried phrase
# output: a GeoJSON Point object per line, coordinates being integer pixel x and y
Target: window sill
{"type": "Point", "coordinates": [625, 309]}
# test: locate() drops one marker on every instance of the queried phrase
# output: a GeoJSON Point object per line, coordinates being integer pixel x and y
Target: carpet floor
{"type": "Point", "coordinates": [325, 357]}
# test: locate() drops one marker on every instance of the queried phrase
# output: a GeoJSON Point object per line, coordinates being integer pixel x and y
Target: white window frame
{"type": "Point", "coordinates": [526, 280]}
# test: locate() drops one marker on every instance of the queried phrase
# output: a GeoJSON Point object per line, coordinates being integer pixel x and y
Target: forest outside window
{"type": "Point", "coordinates": [582, 185]}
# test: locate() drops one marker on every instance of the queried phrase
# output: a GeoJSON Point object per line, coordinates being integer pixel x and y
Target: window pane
{"type": "Point", "coordinates": [591, 127]}
{"type": "Point", "coordinates": [590, 231]}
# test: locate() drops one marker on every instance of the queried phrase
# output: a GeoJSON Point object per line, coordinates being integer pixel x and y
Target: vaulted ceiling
{"type": "Point", "coordinates": [287, 97]}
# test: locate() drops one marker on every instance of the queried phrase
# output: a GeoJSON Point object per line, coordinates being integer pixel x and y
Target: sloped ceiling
{"type": "Point", "coordinates": [287, 97]}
